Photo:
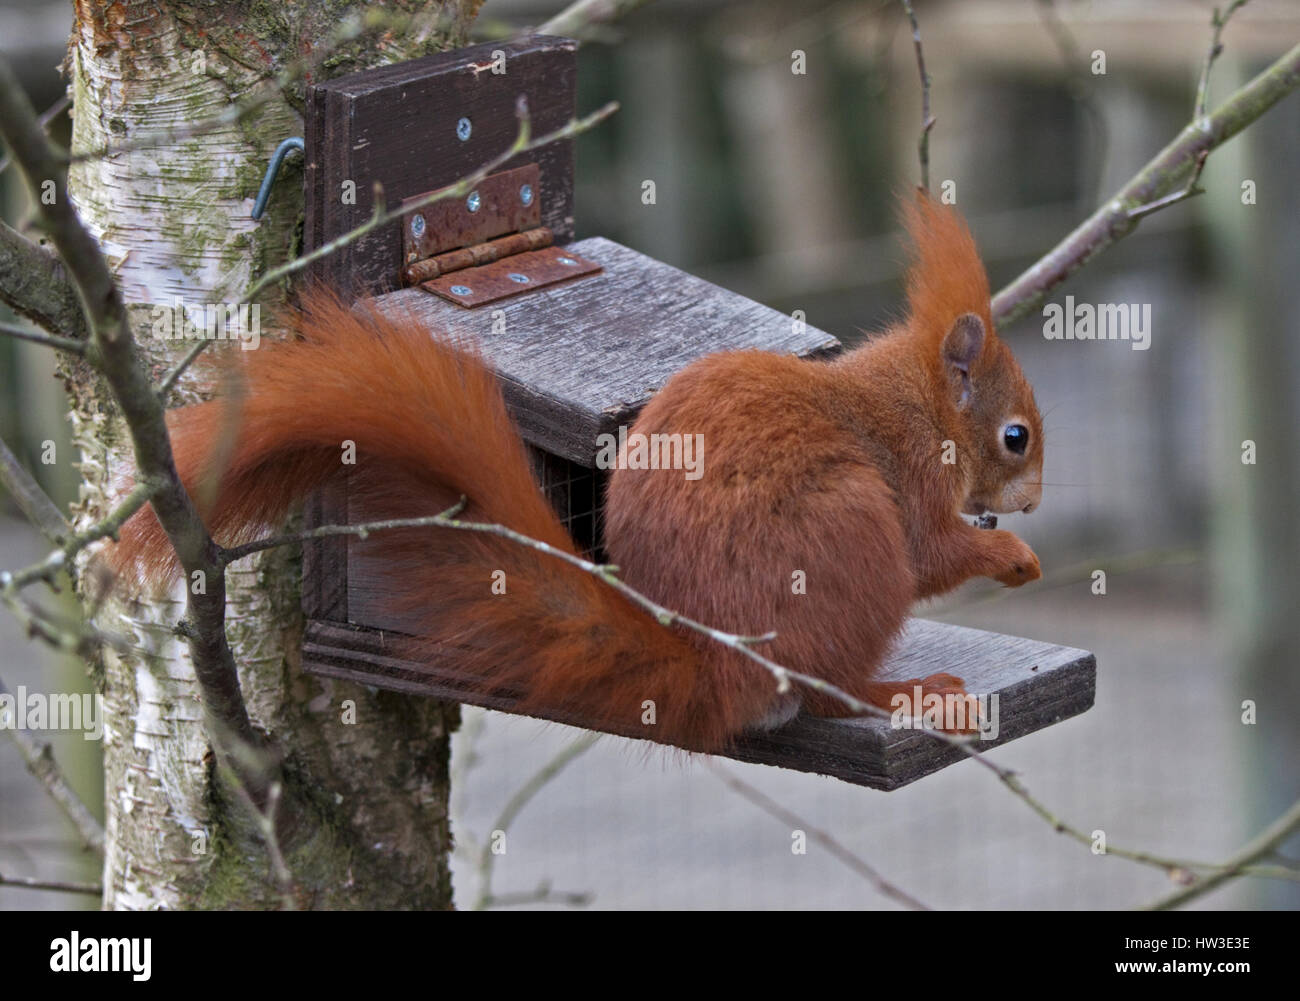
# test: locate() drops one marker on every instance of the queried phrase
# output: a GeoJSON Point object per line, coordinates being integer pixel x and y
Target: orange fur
{"type": "Point", "coordinates": [830, 469]}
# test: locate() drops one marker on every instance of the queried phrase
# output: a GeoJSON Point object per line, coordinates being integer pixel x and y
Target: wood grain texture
{"type": "Point", "coordinates": [397, 125]}
{"type": "Point", "coordinates": [578, 360]}
{"type": "Point", "coordinates": [325, 560]}
{"type": "Point", "coordinates": [1037, 684]}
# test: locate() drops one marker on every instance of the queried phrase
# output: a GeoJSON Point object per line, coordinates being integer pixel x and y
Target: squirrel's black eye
{"type": "Point", "coordinates": [1016, 437]}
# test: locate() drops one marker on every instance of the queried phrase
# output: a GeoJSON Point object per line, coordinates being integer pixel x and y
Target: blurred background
{"type": "Point", "coordinates": [780, 186]}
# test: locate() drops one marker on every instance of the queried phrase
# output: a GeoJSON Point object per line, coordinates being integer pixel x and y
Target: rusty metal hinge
{"type": "Point", "coordinates": [488, 246]}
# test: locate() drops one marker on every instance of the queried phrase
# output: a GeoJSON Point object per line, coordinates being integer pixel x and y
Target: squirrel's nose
{"type": "Point", "coordinates": [1029, 507]}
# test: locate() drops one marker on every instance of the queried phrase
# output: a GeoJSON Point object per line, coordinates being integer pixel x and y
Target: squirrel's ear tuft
{"type": "Point", "coordinates": [961, 346]}
{"type": "Point", "coordinates": [946, 278]}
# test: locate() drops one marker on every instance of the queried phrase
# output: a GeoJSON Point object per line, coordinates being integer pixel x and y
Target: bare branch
{"type": "Point", "coordinates": [1188, 190]}
{"type": "Point", "coordinates": [179, 369]}
{"type": "Point", "coordinates": [47, 116]}
{"type": "Point", "coordinates": [522, 797]}
{"type": "Point", "coordinates": [1217, 24]}
{"type": "Point", "coordinates": [1078, 83]}
{"type": "Point", "coordinates": [1114, 220]}
{"type": "Point", "coordinates": [33, 285]}
{"type": "Point", "coordinates": [1081, 572]}
{"type": "Point", "coordinates": [49, 340]}
{"type": "Point", "coordinates": [578, 17]}
{"type": "Point", "coordinates": [60, 633]}
{"type": "Point", "coordinates": [1260, 846]}
{"type": "Point", "coordinates": [268, 827]}
{"type": "Point", "coordinates": [93, 889]}
{"type": "Point", "coordinates": [71, 636]}
{"type": "Point", "coordinates": [542, 895]}
{"type": "Point", "coordinates": [326, 531]}
{"type": "Point", "coordinates": [927, 121]}
{"type": "Point", "coordinates": [39, 759]}
{"type": "Point", "coordinates": [793, 821]}
{"type": "Point", "coordinates": [61, 559]}
{"type": "Point", "coordinates": [34, 502]}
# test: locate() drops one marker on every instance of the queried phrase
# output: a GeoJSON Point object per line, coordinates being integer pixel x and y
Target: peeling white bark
{"type": "Point", "coordinates": [174, 222]}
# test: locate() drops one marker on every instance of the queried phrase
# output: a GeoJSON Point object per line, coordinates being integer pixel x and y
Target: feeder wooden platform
{"type": "Point", "coordinates": [1037, 684]}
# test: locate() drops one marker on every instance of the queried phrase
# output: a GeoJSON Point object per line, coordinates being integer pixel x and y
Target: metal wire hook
{"type": "Point", "coordinates": [277, 158]}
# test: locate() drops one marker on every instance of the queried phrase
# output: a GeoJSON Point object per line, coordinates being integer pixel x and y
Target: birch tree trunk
{"type": "Point", "coordinates": [174, 222]}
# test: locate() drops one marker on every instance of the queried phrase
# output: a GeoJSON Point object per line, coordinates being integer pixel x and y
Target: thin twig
{"type": "Point", "coordinates": [462, 762]}
{"type": "Point", "coordinates": [927, 121]}
{"type": "Point", "coordinates": [1081, 573]}
{"type": "Point", "coordinates": [47, 116]}
{"type": "Point", "coordinates": [1263, 844]}
{"type": "Point", "coordinates": [262, 804]}
{"type": "Point", "coordinates": [39, 759]}
{"type": "Point", "coordinates": [49, 340]}
{"type": "Point", "coordinates": [1081, 90]}
{"type": "Point", "coordinates": [1188, 190]}
{"type": "Point", "coordinates": [58, 561]}
{"type": "Point", "coordinates": [1112, 221]}
{"type": "Point", "coordinates": [65, 635]}
{"type": "Point", "coordinates": [34, 502]}
{"type": "Point", "coordinates": [849, 858]}
{"type": "Point", "coordinates": [1217, 24]}
{"type": "Point", "coordinates": [361, 531]}
{"type": "Point", "coordinates": [542, 895]}
{"type": "Point", "coordinates": [34, 285]}
{"type": "Point", "coordinates": [267, 827]}
{"type": "Point", "coordinates": [578, 17]}
{"type": "Point", "coordinates": [30, 883]}
{"type": "Point", "coordinates": [169, 380]}
{"type": "Point", "coordinates": [522, 797]}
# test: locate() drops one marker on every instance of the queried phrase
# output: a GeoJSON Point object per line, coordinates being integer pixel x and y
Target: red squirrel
{"type": "Point", "coordinates": [853, 471]}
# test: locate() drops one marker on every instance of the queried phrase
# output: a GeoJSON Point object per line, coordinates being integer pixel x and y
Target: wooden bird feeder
{"type": "Point", "coordinates": [581, 334]}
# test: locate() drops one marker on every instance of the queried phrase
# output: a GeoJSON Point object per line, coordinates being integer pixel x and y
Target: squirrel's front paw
{"type": "Point", "coordinates": [1020, 562]}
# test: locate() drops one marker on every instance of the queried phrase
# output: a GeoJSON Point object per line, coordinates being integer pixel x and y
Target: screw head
{"type": "Point", "coordinates": [565, 260]}
{"type": "Point", "coordinates": [473, 201]}
{"type": "Point", "coordinates": [417, 225]}
{"type": "Point", "coordinates": [461, 290]}
{"type": "Point", "coordinates": [463, 129]}
{"type": "Point", "coordinates": [515, 276]}
{"type": "Point", "coordinates": [526, 194]}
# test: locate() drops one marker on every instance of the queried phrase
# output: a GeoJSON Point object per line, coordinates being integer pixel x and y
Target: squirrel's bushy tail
{"type": "Point", "coordinates": [429, 424]}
